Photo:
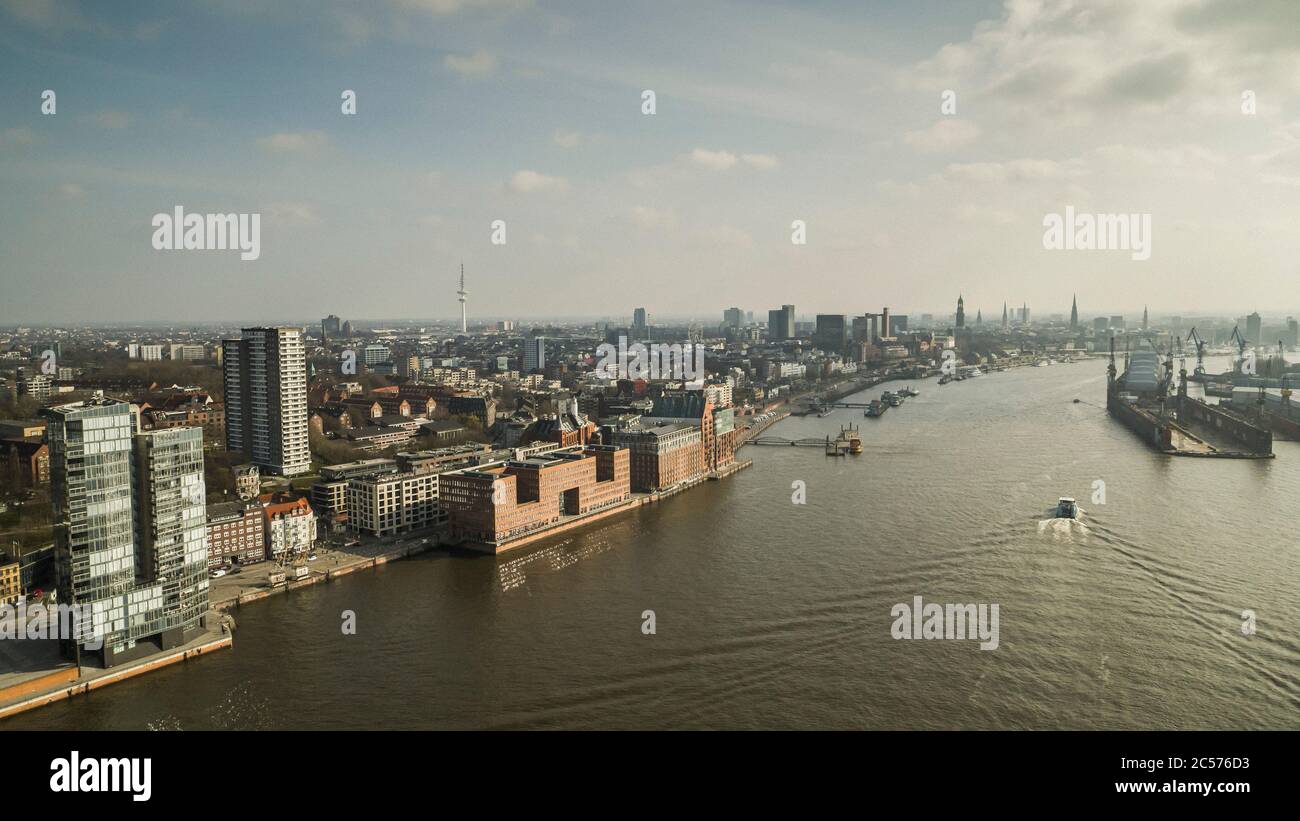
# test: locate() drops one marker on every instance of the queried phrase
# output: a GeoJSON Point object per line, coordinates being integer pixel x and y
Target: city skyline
{"type": "Point", "coordinates": [473, 112]}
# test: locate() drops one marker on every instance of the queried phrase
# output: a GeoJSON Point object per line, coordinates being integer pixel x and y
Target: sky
{"type": "Point", "coordinates": [472, 111]}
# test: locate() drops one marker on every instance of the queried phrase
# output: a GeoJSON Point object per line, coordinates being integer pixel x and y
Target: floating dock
{"type": "Point", "coordinates": [1179, 425]}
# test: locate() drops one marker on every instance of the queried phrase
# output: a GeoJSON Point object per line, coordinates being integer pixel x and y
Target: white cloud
{"type": "Point", "coordinates": [440, 8]}
{"type": "Point", "coordinates": [646, 217]}
{"type": "Point", "coordinates": [729, 236]}
{"type": "Point", "coordinates": [567, 139]}
{"type": "Point", "coordinates": [945, 135]}
{"type": "Point", "coordinates": [478, 64]}
{"type": "Point", "coordinates": [715, 160]}
{"type": "Point", "coordinates": [111, 119]}
{"type": "Point", "coordinates": [1011, 171]}
{"type": "Point", "coordinates": [16, 137]}
{"type": "Point", "coordinates": [291, 213]}
{"type": "Point", "coordinates": [526, 182]}
{"type": "Point", "coordinates": [723, 160]}
{"type": "Point", "coordinates": [294, 142]}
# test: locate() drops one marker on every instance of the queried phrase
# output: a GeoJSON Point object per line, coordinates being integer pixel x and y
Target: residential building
{"type": "Point", "coordinates": [386, 503]}
{"type": "Point", "coordinates": [236, 533]}
{"type": "Point", "coordinates": [25, 461]}
{"type": "Point", "coordinates": [248, 481]}
{"type": "Point", "coordinates": [11, 583]}
{"type": "Point", "coordinates": [374, 354]}
{"type": "Point", "coordinates": [181, 352]}
{"type": "Point", "coordinates": [534, 353]}
{"type": "Point", "coordinates": [130, 541]}
{"type": "Point", "coordinates": [290, 526]}
{"type": "Point", "coordinates": [266, 399]}
{"type": "Point", "coordinates": [36, 386]}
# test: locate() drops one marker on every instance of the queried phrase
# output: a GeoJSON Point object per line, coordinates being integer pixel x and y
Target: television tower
{"type": "Point", "coordinates": [462, 293]}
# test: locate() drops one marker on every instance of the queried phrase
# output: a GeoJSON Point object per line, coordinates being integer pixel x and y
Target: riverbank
{"type": "Point", "coordinates": [60, 680]}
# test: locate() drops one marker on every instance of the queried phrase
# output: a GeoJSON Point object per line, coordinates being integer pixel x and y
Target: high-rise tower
{"type": "Point", "coordinates": [130, 539]}
{"type": "Point", "coordinates": [1074, 313]}
{"type": "Point", "coordinates": [461, 294]}
{"type": "Point", "coordinates": [961, 312]}
{"type": "Point", "coordinates": [266, 398]}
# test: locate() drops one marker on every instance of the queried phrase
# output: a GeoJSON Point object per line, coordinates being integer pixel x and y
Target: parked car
{"type": "Point", "coordinates": [218, 573]}
{"type": "Point", "coordinates": [313, 557]}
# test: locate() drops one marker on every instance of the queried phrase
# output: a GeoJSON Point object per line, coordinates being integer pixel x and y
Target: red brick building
{"type": "Point", "coordinates": [25, 461]}
{"type": "Point", "coordinates": [236, 534]}
{"type": "Point", "coordinates": [497, 503]}
{"type": "Point", "coordinates": [662, 456]}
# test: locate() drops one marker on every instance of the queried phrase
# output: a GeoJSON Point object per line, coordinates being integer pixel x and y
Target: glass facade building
{"type": "Point", "coordinates": [130, 538]}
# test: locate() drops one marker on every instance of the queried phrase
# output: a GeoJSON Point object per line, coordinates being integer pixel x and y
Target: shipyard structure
{"type": "Point", "coordinates": [1169, 420]}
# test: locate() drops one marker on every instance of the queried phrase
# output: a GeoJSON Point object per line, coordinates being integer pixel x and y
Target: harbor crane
{"type": "Point", "coordinates": [1241, 347]}
{"type": "Point", "coordinates": [1193, 336]}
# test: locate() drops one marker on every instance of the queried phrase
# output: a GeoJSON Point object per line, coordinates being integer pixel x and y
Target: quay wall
{"type": "Point", "coordinates": [1253, 437]}
{"type": "Point", "coordinates": [1146, 426]}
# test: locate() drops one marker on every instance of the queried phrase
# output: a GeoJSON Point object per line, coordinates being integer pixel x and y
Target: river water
{"type": "Point", "coordinates": [771, 614]}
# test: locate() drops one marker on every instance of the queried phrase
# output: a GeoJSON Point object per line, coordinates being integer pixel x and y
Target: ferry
{"type": "Point", "coordinates": [893, 400]}
{"type": "Point", "coordinates": [909, 392]}
{"type": "Point", "coordinates": [875, 409]}
{"type": "Point", "coordinates": [945, 379]}
{"type": "Point", "coordinates": [849, 435]}
{"type": "Point", "coordinates": [1066, 508]}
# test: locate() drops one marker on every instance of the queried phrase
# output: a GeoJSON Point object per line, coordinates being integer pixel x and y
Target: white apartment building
{"type": "Point", "coordinates": [148, 353]}
{"type": "Point", "coordinates": [181, 352]}
{"type": "Point", "coordinates": [394, 503]}
{"type": "Point", "coordinates": [290, 528]}
{"type": "Point", "coordinates": [719, 394]}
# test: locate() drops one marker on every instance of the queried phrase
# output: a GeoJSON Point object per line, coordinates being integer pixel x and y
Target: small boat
{"type": "Point", "coordinates": [909, 392]}
{"type": "Point", "coordinates": [875, 409]}
{"type": "Point", "coordinates": [1066, 508]}
{"type": "Point", "coordinates": [945, 379]}
{"type": "Point", "coordinates": [894, 400]}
